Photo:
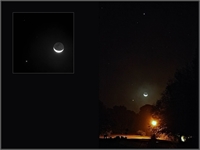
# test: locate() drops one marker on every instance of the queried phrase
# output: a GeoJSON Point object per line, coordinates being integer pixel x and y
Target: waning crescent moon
{"type": "Point", "coordinates": [58, 51]}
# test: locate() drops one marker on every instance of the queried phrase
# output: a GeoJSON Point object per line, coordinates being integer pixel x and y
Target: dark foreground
{"type": "Point", "coordinates": [143, 143]}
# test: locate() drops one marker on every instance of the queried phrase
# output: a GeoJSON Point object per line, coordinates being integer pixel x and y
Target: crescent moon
{"type": "Point", "coordinates": [58, 51]}
{"type": "Point", "coordinates": [145, 95]}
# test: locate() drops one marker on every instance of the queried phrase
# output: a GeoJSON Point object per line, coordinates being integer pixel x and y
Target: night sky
{"type": "Point", "coordinates": [141, 46]}
{"type": "Point", "coordinates": [34, 37]}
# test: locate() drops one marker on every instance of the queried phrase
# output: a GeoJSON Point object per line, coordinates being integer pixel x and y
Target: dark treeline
{"type": "Point", "coordinates": [176, 110]}
{"type": "Point", "coordinates": [119, 120]}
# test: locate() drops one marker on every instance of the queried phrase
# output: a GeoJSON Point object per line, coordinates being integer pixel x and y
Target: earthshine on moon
{"type": "Point", "coordinates": [58, 47]}
{"type": "Point", "coordinates": [145, 94]}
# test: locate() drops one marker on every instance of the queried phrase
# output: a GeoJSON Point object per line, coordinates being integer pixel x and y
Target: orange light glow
{"type": "Point", "coordinates": [154, 123]}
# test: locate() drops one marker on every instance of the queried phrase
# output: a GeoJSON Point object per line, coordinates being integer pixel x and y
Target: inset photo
{"type": "Point", "coordinates": [43, 43]}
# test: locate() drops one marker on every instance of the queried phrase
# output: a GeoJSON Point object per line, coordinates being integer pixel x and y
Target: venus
{"type": "Point", "coordinates": [58, 47]}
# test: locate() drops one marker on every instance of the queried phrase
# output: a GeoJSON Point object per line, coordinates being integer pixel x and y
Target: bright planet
{"type": "Point", "coordinates": [58, 47]}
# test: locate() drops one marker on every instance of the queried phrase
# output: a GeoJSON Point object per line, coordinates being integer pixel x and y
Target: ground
{"type": "Point", "coordinates": [137, 141]}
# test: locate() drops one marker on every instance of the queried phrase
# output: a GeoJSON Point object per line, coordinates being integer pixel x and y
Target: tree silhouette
{"type": "Point", "coordinates": [178, 107]}
{"type": "Point", "coordinates": [144, 118]}
{"type": "Point", "coordinates": [103, 118]}
{"type": "Point", "coordinates": [118, 119]}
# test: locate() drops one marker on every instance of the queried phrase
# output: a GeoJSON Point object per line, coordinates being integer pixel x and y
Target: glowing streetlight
{"type": "Point", "coordinates": [154, 123]}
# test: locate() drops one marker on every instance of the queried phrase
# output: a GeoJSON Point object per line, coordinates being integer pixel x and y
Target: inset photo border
{"type": "Point", "coordinates": [43, 43]}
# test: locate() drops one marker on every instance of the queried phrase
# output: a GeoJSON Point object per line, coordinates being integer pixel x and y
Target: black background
{"type": "Point", "coordinates": [52, 110]}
